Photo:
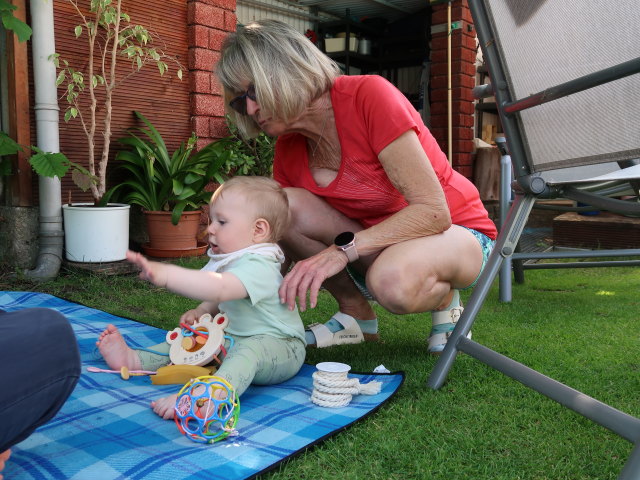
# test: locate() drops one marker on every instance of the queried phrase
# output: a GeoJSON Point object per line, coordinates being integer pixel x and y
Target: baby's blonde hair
{"type": "Point", "coordinates": [266, 196]}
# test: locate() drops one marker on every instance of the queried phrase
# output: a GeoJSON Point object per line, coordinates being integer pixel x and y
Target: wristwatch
{"type": "Point", "coordinates": [346, 242]}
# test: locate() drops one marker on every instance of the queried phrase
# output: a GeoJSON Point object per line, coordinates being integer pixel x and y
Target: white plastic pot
{"type": "Point", "coordinates": [96, 234]}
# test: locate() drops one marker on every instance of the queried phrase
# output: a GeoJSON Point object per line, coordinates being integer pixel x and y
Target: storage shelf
{"type": "Point", "coordinates": [341, 25]}
{"type": "Point", "coordinates": [387, 53]}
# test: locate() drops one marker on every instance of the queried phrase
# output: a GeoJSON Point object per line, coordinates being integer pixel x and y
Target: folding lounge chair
{"type": "Point", "coordinates": [566, 76]}
{"type": "Point", "coordinates": [517, 262]}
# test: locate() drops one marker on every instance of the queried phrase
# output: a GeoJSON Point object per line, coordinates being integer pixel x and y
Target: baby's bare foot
{"type": "Point", "coordinates": [164, 407]}
{"type": "Point", "coordinates": [4, 456]}
{"type": "Point", "coordinates": [115, 350]}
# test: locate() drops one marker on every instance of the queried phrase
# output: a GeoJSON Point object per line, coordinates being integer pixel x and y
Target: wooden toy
{"type": "Point", "coordinates": [200, 343]}
{"type": "Point", "coordinates": [191, 348]}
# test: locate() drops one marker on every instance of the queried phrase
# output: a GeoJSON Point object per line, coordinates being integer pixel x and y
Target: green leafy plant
{"type": "Point", "coordinates": [112, 40]}
{"type": "Point", "coordinates": [50, 164]}
{"type": "Point", "coordinates": [8, 146]}
{"type": "Point", "coordinates": [163, 181]}
{"type": "Point", "coordinates": [10, 22]}
{"type": "Point", "coordinates": [248, 157]}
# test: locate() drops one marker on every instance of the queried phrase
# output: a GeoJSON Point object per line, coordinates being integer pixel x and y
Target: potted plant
{"type": "Point", "coordinates": [248, 156]}
{"type": "Point", "coordinates": [169, 187]}
{"type": "Point", "coordinates": [112, 41]}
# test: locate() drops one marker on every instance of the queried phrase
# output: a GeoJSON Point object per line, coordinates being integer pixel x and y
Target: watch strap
{"type": "Point", "coordinates": [350, 251]}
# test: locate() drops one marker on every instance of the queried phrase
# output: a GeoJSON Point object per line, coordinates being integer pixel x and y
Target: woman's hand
{"type": "Point", "coordinates": [308, 275]}
{"type": "Point", "coordinates": [154, 272]}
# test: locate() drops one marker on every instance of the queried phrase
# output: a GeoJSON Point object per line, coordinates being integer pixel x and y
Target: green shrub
{"type": "Point", "coordinates": [248, 157]}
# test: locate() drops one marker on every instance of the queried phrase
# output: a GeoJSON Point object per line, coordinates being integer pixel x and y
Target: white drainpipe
{"type": "Point", "coordinates": [48, 140]}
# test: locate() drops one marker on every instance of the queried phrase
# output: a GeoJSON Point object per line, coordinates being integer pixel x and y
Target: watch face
{"type": "Point", "coordinates": [344, 239]}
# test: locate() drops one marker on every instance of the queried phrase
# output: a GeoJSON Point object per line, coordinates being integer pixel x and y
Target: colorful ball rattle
{"type": "Point", "coordinates": [207, 409]}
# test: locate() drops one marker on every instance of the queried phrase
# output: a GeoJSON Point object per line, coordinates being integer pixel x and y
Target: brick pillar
{"type": "Point", "coordinates": [209, 21]}
{"type": "Point", "coordinates": [463, 56]}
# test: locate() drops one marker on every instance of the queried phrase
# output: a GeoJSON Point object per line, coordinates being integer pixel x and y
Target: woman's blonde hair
{"type": "Point", "coordinates": [266, 197]}
{"type": "Point", "coordinates": [286, 69]}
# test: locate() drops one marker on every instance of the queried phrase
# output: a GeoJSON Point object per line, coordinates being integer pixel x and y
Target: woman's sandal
{"type": "Point", "coordinates": [443, 324]}
{"type": "Point", "coordinates": [350, 334]}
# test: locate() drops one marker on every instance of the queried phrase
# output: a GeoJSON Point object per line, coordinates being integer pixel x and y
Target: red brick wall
{"type": "Point", "coordinates": [463, 55]}
{"type": "Point", "coordinates": [208, 21]}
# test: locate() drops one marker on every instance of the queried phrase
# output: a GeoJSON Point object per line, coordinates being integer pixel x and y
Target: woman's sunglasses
{"type": "Point", "coordinates": [239, 103]}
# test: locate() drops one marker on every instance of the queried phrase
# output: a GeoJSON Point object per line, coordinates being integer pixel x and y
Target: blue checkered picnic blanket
{"type": "Point", "coordinates": [106, 430]}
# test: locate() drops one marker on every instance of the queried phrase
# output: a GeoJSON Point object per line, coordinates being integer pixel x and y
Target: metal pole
{"type": "Point", "coordinates": [47, 110]}
{"type": "Point", "coordinates": [449, 91]}
{"type": "Point", "coordinates": [505, 200]}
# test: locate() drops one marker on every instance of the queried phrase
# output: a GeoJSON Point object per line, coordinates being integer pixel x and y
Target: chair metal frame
{"type": "Point", "coordinates": [529, 187]}
{"type": "Point", "coordinates": [517, 262]}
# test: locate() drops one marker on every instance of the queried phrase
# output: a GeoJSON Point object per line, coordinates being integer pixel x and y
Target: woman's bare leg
{"type": "Point", "coordinates": [413, 276]}
{"type": "Point", "coordinates": [420, 275]}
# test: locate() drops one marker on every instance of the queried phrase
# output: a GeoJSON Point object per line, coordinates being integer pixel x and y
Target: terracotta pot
{"type": "Point", "coordinates": [166, 236]}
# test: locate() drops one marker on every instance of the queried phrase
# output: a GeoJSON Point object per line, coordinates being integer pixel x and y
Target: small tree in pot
{"type": "Point", "coordinates": [112, 41]}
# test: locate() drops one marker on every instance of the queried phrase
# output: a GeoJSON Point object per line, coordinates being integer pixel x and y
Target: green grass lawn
{"type": "Point", "coordinates": [578, 326]}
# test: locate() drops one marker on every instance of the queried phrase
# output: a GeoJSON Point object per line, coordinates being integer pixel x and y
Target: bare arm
{"type": "Point", "coordinates": [410, 171]}
{"type": "Point", "coordinates": [210, 287]}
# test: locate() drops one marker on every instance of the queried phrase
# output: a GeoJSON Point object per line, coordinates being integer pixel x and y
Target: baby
{"type": "Point", "coordinates": [248, 215]}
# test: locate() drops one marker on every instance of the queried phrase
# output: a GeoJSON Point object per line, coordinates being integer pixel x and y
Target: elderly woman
{"type": "Point", "coordinates": [376, 210]}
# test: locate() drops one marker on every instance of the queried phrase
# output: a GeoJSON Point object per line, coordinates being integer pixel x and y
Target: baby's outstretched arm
{"type": "Point", "coordinates": [210, 287]}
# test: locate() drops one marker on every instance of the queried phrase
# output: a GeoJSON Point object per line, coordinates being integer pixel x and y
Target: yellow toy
{"type": "Point", "coordinates": [180, 374]}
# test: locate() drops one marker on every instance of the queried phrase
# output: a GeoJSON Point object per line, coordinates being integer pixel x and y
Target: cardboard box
{"type": "Point", "coordinates": [337, 44]}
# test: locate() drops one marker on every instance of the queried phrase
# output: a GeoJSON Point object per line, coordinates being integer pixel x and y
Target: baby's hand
{"type": "Point", "coordinates": [190, 317]}
{"type": "Point", "coordinates": [151, 271]}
